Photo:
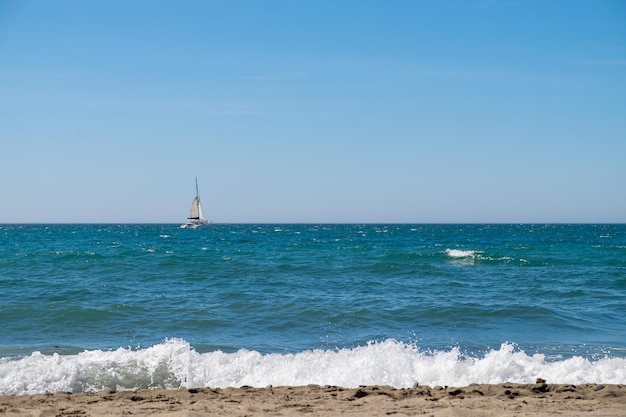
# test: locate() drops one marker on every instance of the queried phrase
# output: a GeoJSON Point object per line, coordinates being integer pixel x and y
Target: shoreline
{"type": "Point", "coordinates": [505, 399]}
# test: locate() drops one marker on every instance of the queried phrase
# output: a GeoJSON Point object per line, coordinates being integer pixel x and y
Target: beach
{"type": "Point", "coordinates": [320, 401]}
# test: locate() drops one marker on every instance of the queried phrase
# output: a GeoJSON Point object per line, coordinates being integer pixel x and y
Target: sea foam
{"type": "Point", "coordinates": [175, 364]}
{"type": "Point", "coordinates": [458, 253]}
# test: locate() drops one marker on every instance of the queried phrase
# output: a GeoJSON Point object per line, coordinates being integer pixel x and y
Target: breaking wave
{"type": "Point", "coordinates": [175, 364]}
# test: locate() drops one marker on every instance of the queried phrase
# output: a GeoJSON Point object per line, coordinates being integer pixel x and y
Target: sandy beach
{"type": "Point", "coordinates": [475, 400]}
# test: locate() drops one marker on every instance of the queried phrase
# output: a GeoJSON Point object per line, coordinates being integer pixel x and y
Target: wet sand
{"type": "Point", "coordinates": [312, 400]}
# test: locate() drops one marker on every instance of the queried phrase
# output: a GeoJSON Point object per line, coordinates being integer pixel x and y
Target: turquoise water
{"type": "Point", "coordinates": [254, 305]}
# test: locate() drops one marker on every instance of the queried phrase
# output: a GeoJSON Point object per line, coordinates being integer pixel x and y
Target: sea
{"type": "Point", "coordinates": [89, 307]}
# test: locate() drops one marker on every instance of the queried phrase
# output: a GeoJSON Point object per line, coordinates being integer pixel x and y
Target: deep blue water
{"type": "Point", "coordinates": [470, 290]}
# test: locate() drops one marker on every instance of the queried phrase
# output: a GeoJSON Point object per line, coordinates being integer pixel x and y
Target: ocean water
{"type": "Point", "coordinates": [92, 307]}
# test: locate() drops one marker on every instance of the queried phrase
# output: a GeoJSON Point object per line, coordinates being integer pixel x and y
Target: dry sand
{"type": "Point", "coordinates": [475, 400]}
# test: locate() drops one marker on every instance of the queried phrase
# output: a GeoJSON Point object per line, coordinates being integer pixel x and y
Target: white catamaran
{"type": "Point", "coordinates": [196, 217]}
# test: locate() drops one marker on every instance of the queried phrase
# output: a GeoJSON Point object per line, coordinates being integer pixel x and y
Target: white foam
{"type": "Point", "coordinates": [175, 364]}
{"type": "Point", "coordinates": [470, 256]}
{"type": "Point", "coordinates": [457, 253]}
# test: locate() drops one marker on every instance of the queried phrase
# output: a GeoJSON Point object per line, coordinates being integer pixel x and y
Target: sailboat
{"type": "Point", "coordinates": [196, 217]}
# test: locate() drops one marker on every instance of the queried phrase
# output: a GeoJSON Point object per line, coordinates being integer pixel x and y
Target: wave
{"type": "Point", "coordinates": [458, 253]}
{"type": "Point", "coordinates": [175, 364]}
{"type": "Point", "coordinates": [472, 256]}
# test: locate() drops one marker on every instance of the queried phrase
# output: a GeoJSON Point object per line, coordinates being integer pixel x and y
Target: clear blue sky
{"type": "Point", "coordinates": [313, 111]}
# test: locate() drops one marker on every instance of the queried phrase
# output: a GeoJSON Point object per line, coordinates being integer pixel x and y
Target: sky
{"type": "Point", "coordinates": [313, 111]}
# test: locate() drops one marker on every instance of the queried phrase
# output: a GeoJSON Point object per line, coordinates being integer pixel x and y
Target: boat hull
{"type": "Point", "coordinates": [194, 224]}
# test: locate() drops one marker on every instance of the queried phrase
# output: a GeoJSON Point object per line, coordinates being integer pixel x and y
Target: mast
{"type": "Point", "coordinates": [196, 216]}
{"type": "Point", "coordinates": [200, 213]}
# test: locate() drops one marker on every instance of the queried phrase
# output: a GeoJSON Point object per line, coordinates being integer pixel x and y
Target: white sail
{"type": "Point", "coordinates": [195, 209]}
{"type": "Point", "coordinates": [200, 212]}
{"type": "Point", "coordinates": [196, 215]}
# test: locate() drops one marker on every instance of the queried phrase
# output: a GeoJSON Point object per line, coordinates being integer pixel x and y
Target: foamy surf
{"type": "Point", "coordinates": [470, 256]}
{"type": "Point", "coordinates": [458, 253]}
{"type": "Point", "coordinates": [175, 364]}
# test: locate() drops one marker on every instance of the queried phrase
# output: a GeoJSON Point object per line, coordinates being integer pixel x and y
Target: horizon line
{"type": "Point", "coordinates": [308, 223]}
